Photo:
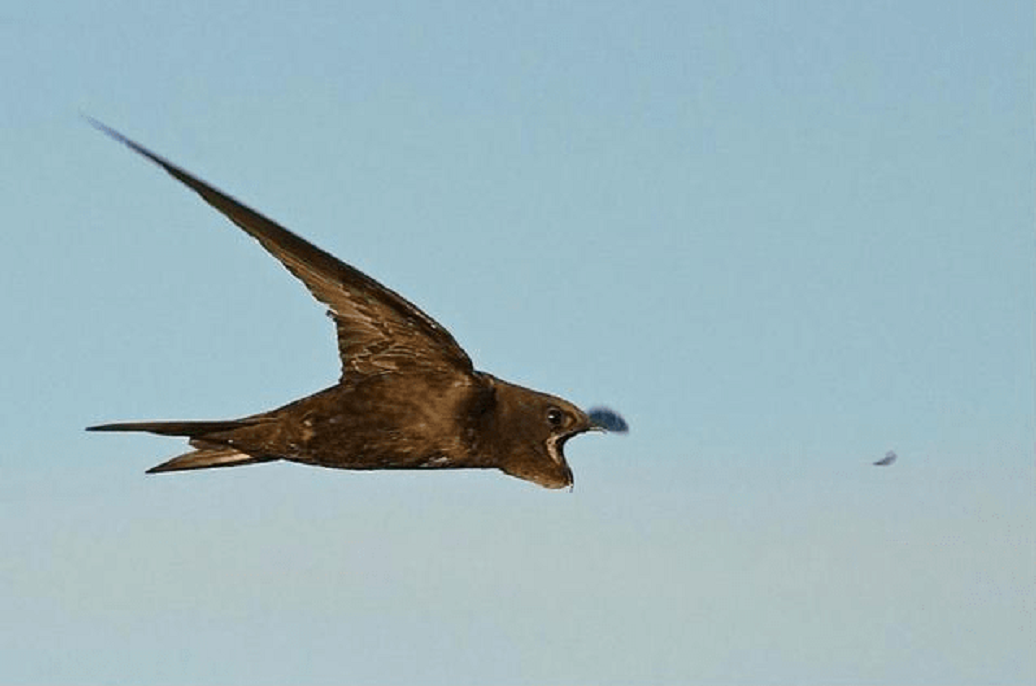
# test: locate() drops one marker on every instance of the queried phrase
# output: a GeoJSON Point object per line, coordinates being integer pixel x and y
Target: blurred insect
{"type": "Point", "coordinates": [609, 420]}
{"type": "Point", "coordinates": [889, 458]}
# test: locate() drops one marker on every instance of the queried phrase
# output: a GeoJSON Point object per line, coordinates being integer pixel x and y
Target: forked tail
{"type": "Point", "coordinates": [213, 440]}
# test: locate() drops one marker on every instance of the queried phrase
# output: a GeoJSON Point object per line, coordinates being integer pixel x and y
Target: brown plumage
{"type": "Point", "coordinates": [408, 396]}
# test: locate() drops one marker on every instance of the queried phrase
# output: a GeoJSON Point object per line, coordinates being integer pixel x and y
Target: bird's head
{"type": "Point", "coordinates": [530, 430]}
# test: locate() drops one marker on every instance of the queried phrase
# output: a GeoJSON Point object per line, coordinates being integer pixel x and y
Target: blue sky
{"type": "Point", "coordinates": [782, 238]}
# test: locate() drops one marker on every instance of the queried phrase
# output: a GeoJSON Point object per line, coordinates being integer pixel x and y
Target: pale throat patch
{"type": "Point", "coordinates": [554, 449]}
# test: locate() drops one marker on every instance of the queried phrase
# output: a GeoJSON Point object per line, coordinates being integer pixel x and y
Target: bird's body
{"type": "Point", "coordinates": [408, 396]}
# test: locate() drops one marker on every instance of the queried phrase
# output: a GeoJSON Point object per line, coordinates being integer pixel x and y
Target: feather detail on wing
{"type": "Point", "coordinates": [378, 329]}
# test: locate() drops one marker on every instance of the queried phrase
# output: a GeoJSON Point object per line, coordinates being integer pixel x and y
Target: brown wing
{"type": "Point", "coordinates": [378, 329]}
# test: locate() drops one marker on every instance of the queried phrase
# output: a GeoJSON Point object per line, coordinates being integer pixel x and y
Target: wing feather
{"type": "Point", "coordinates": [378, 329]}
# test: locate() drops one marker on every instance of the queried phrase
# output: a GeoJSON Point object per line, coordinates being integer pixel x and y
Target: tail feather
{"type": "Point", "coordinates": [207, 458]}
{"type": "Point", "coordinates": [212, 439]}
{"type": "Point", "coordinates": [192, 429]}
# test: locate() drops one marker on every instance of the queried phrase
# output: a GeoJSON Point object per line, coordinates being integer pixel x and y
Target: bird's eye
{"type": "Point", "coordinates": [554, 416]}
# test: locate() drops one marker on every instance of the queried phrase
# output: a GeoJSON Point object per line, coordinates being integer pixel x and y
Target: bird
{"type": "Point", "coordinates": [408, 396]}
{"type": "Point", "coordinates": [889, 458]}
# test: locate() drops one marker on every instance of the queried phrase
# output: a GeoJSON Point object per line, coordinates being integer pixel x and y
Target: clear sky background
{"type": "Point", "coordinates": [782, 238]}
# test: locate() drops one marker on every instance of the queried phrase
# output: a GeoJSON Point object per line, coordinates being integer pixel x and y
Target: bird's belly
{"type": "Point", "coordinates": [365, 448]}
{"type": "Point", "coordinates": [386, 422]}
